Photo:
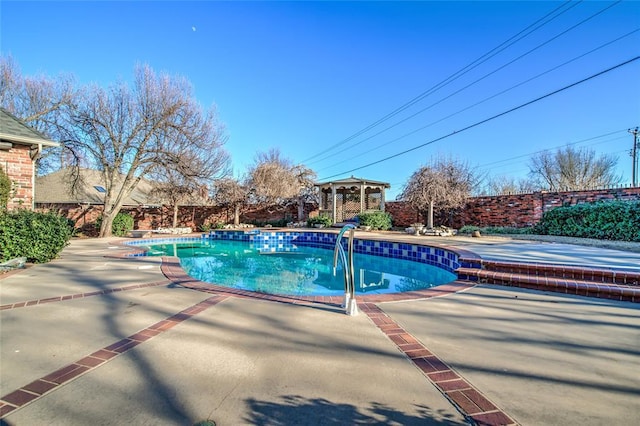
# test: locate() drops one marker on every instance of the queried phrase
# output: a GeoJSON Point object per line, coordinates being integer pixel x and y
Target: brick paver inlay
{"type": "Point", "coordinates": [49, 383]}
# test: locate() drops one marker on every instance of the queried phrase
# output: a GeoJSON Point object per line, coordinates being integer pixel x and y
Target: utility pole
{"type": "Point", "coordinates": [634, 157]}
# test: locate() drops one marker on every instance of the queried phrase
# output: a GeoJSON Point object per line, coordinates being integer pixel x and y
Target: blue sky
{"type": "Point", "coordinates": [306, 76]}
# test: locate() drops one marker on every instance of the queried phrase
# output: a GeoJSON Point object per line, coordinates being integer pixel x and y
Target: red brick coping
{"type": "Point", "coordinates": [613, 284]}
{"type": "Point", "coordinates": [173, 271]}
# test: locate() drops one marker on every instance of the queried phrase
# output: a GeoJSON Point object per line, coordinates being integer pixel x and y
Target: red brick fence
{"type": "Point", "coordinates": [517, 210]}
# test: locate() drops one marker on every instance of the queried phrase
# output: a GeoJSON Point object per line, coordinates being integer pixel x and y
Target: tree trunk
{"type": "Point", "coordinates": [300, 209]}
{"type": "Point", "coordinates": [106, 227]}
{"type": "Point", "coordinates": [175, 215]}
{"type": "Point", "coordinates": [236, 216]}
{"type": "Point", "coordinates": [430, 216]}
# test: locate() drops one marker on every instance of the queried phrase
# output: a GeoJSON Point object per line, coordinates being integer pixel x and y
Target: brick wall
{"type": "Point", "coordinates": [19, 167]}
{"type": "Point", "coordinates": [85, 216]}
{"type": "Point", "coordinates": [518, 210]}
{"type": "Point", "coordinates": [402, 213]}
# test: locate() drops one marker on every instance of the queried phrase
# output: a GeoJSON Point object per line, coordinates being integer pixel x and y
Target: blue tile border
{"type": "Point", "coordinates": [281, 240]}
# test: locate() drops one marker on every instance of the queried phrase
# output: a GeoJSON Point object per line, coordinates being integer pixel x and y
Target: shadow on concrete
{"type": "Point", "coordinates": [298, 410]}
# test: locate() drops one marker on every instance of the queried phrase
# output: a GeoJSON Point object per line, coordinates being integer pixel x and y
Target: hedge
{"type": "Point", "coordinates": [376, 220]}
{"type": "Point", "coordinates": [39, 237]}
{"type": "Point", "coordinates": [606, 220]}
{"type": "Point", "coordinates": [5, 189]}
{"type": "Point", "coordinates": [323, 219]}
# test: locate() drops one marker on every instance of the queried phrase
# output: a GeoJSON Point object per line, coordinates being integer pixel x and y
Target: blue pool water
{"type": "Point", "coordinates": [296, 270]}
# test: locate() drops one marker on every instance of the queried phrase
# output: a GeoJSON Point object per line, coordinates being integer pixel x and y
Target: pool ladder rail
{"type": "Point", "coordinates": [350, 305]}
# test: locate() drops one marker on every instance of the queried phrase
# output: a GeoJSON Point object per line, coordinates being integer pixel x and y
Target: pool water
{"type": "Point", "coordinates": [297, 270]}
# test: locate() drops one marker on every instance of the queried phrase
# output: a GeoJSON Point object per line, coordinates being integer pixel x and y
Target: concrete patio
{"type": "Point", "coordinates": [101, 340]}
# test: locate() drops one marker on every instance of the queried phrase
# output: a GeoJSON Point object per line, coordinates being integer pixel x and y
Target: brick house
{"type": "Point", "coordinates": [82, 199]}
{"type": "Point", "coordinates": [20, 147]}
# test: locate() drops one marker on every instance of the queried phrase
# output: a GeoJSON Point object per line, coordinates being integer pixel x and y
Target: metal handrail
{"type": "Point", "coordinates": [351, 308]}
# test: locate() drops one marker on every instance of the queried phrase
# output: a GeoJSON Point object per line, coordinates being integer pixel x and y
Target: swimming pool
{"type": "Point", "coordinates": [300, 263]}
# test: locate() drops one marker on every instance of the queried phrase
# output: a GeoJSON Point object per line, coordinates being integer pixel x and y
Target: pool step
{"type": "Point", "coordinates": [592, 282]}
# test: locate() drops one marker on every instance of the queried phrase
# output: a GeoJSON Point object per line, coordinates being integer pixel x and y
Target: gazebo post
{"type": "Point", "coordinates": [362, 193]}
{"type": "Point", "coordinates": [333, 204]}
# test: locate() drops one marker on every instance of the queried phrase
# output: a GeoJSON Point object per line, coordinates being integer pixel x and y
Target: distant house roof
{"type": "Point", "coordinates": [13, 130]}
{"type": "Point", "coordinates": [350, 181]}
{"type": "Point", "coordinates": [56, 188]}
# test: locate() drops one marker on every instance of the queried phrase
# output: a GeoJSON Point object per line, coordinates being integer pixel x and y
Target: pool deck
{"type": "Point", "coordinates": [91, 338]}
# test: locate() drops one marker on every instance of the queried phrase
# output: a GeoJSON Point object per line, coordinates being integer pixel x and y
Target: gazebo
{"type": "Point", "coordinates": [345, 199]}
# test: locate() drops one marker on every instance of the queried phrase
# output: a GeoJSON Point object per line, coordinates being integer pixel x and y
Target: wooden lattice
{"type": "Point", "coordinates": [351, 206]}
{"type": "Point", "coordinates": [373, 199]}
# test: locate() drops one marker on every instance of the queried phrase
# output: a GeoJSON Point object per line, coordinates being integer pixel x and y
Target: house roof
{"type": "Point", "coordinates": [350, 181]}
{"type": "Point", "coordinates": [12, 129]}
{"type": "Point", "coordinates": [55, 188]}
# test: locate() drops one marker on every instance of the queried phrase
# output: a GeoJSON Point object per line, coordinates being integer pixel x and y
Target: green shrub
{"type": "Point", "coordinates": [506, 230]}
{"type": "Point", "coordinates": [5, 189]}
{"type": "Point", "coordinates": [122, 224]}
{"type": "Point", "coordinates": [323, 219]}
{"type": "Point", "coordinates": [205, 227]}
{"type": "Point", "coordinates": [279, 223]}
{"type": "Point", "coordinates": [37, 236]}
{"type": "Point", "coordinates": [468, 229]}
{"type": "Point", "coordinates": [376, 220]}
{"type": "Point", "coordinates": [605, 220]}
{"type": "Point", "coordinates": [493, 230]}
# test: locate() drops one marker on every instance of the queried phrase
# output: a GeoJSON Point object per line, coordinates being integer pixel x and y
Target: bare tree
{"type": "Point", "coordinates": [446, 183]}
{"type": "Point", "coordinates": [508, 185]}
{"type": "Point", "coordinates": [232, 194]}
{"type": "Point", "coordinates": [573, 169]}
{"type": "Point", "coordinates": [184, 177]}
{"type": "Point", "coordinates": [306, 179]}
{"type": "Point", "coordinates": [127, 133]}
{"type": "Point", "coordinates": [40, 102]}
{"type": "Point", "coordinates": [274, 180]}
{"type": "Point", "coordinates": [270, 180]}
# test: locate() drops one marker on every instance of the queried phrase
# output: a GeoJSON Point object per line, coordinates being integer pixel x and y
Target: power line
{"type": "Point", "coordinates": [473, 105]}
{"type": "Point", "coordinates": [477, 62]}
{"type": "Point", "coordinates": [559, 146]}
{"type": "Point", "coordinates": [486, 120]}
{"type": "Point", "coordinates": [521, 169]}
{"type": "Point", "coordinates": [484, 77]}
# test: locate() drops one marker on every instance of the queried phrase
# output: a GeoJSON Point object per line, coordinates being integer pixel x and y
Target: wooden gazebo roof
{"type": "Point", "coordinates": [352, 181]}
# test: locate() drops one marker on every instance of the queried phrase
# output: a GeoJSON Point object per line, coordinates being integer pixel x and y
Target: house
{"type": "Point", "coordinates": [82, 201]}
{"type": "Point", "coordinates": [61, 188]}
{"type": "Point", "coordinates": [20, 147]}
